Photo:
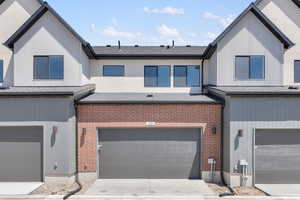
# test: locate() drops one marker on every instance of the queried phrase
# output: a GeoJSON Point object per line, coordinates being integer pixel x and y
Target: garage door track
{"type": "Point", "coordinates": [150, 187]}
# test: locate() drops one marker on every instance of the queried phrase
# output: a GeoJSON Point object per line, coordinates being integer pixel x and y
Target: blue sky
{"type": "Point", "coordinates": [149, 22]}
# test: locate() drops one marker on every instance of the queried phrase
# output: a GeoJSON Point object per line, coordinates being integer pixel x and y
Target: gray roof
{"type": "Point", "coordinates": [256, 90]}
{"type": "Point", "coordinates": [46, 91]}
{"type": "Point", "coordinates": [149, 51]}
{"type": "Point", "coordinates": [158, 98]}
{"type": "Point", "coordinates": [262, 17]}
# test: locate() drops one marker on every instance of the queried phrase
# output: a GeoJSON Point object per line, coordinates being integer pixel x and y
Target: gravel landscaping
{"type": "Point", "coordinates": [239, 191]}
{"type": "Point", "coordinates": [61, 189]}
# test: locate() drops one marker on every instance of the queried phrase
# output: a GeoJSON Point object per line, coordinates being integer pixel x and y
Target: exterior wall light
{"type": "Point", "coordinates": [214, 130]}
{"type": "Point", "coordinates": [240, 133]}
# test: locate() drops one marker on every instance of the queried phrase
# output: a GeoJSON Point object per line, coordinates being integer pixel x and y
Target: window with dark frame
{"type": "Point", "coordinates": [250, 67]}
{"type": "Point", "coordinates": [187, 76]}
{"type": "Point", "coordinates": [48, 67]}
{"type": "Point", "coordinates": [1, 71]}
{"type": "Point", "coordinates": [113, 70]}
{"type": "Point", "coordinates": [157, 76]}
{"type": "Point", "coordinates": [297, 71]}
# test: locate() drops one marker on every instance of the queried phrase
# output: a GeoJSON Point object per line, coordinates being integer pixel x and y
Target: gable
{"type": "Point", "coordinates": [262, 18]}
{"type": "Point", "coordinates": [13, 13]}
{"type": "Point", "coordinates": [35, 18]}
{"type": "Point", "coordinates": [296, 2]}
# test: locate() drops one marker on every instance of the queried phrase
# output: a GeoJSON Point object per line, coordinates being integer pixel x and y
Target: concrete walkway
{"type": "Point", "coordinates": [154, 188]}
{"type": "Point", "coordinates": [280, 189]}
{"type": "Point", "coordinates": [18, 188]}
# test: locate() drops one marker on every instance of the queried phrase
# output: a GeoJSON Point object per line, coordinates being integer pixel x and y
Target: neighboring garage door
{"type": "Point", "coordinates": [277, 157]}
{"type": "Point", "coordinates": [149, 153]}
{"type": "Point", "coordinates": [20, 154]}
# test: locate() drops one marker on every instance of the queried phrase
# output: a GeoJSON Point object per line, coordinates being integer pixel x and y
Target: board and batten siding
{"type": "Point", "coordinates": [250, 113]}
{"type": "Point", "coordinates": [59, 148]}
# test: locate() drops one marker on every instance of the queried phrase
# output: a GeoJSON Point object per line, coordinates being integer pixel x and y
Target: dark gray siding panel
{"type": "Point", "coordinates": [149, 153]}
{"type": "Point", "coordinates": [251, 114]}
{"type": "Point", "coordinates": [21, 154]}
{"type": "Point", "coordinates": [277, 157]}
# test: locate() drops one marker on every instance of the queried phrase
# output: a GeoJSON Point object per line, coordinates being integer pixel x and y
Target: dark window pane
{"type": "Point", "coordinates": [297, 71]}
{"type": "Point", "coordinates": [150, 76]}
{"type": "Point", "coordinates": [242, 67]}
{"type": "Point", "coordinates": [257, 67]}
{"type": "Point", "coordinates": [113, 70]}
{"type": "Point", "coordinates": [180, 76]}
{"type": "Point", "coordinates": [1, 70]}
{"type": "Point", "coordinates": [56, 67]}
{"type": "Point", "coordinates": [193, 76]}
{"type": "Point", "coordinates": [164, 76]}
{"type": "Point", "coordinates": [41, 67]}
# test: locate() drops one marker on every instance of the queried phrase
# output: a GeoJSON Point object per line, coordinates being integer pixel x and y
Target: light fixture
{"type": "Point", "coordinates": [83, 131]}
{"type": "Point", "coordinates": [240, 133]}
{"type": "Point", "coordinates": [214, 130]}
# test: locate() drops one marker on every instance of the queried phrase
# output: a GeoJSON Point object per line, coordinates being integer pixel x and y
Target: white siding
{"type": "Point", "coordinates": [13, 13]}
{"type": "Point", "coordinates": [250, 37]}
{"type": "Point", "coordinates": [49, 37]}
{"type": "Point", "coordinates": [286, 15]}
{"type": "Point", "coordinates": [133, 81]}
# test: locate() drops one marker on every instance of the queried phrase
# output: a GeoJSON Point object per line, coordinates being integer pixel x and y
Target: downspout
{"type": "Point", "coordinates": [77, 169]}
{"type": "Point", "coordinates": [202, 76]}
{"type": "Point", "coordinates": [232, 193]}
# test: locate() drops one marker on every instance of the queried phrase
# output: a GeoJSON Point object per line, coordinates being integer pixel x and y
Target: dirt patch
{"type": "Point", "coordinates": [238, 191]}
{"type": "Point", "coordinates": [218, 188]}
{"type": "Point", "coordinates": [248, 191]}
{"type": "Point", "coordinates": [61, 189]}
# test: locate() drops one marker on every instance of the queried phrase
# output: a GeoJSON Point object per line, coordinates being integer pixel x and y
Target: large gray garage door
{"type": "Point", "coordinates": [277, 157]}
{"type": "Point", "coordinates": [149, 153]}
{"type": "Point", "coordinates": [20, 154]}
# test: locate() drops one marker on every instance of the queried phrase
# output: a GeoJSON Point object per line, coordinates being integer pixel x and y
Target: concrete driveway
{"type": "Point", "coordinates": [147, 187]}
{"type": "Point", "coordinates": [18, 188]}
{"type": "Point", "coordinates": [280, 189]}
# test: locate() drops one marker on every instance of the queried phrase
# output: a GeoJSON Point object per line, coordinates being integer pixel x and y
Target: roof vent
{"type": "Point", "coordinates": [168, 47]}
{"type": "Point", "coordinates": [188, 45]}
{"type": "Point", "coordinates": [108, 45]}
{"type": "Point", "coordinates": [162, 45]}
{"type": "Point", "coordinates": [136, 45]}
{"type": "Point", "coordinates": [150, 95]}
{"type": "Point", "coordinates": [293, 88]}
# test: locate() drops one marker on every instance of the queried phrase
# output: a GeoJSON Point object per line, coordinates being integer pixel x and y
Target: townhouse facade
{"type": "Point", "coordinates": [227, 111]}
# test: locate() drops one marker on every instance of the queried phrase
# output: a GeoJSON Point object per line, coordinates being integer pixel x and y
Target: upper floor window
{"type": "Point", "coordinates": [249, 67]}
{"type": "Point", "coordinates": [1, 71]}
{"type": "Point", "coordinates": [113, 70]}
{"type": "Point", "coordinates": [187, 76]}
{"type": "Point", "coordinates": [48, 67]}
{"type": "Point", "coordinates": [297, 71]}
{"type": "Point", "coordinates": [157, 76]}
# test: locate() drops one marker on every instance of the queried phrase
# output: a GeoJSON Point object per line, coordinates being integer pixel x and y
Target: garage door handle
{"type": "Point", "coordinates": [100, 147]}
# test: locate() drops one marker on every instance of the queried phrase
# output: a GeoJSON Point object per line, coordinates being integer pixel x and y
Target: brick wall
{"type": "Point", "coordinates": [93, 116]}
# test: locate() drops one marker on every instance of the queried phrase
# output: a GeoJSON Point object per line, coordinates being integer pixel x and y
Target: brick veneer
{"type": "Point", "coordinates": [93, 116]}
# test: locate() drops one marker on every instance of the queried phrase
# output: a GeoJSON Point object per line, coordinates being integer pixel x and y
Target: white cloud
{"type": "Point", "coordinates": [166, 10]}
{"type": "Point", "coordinates": [166, 31]}
{"type": "Point", "coordinates": [211, 36]}
{"type": "Point", "coordinates": [115, 21]}
{"type": "Point", "coordinates": [114, 32]}
{"type": "Point", "coordinates": [225, 21]}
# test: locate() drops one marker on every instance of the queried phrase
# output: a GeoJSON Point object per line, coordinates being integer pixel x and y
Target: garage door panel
{"type": "Point", "coordinates": [20, 156]}
{"type": "Point", "coordinates": [277, 157]}
{"type": "Point", "coordinates": [149, 153]}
